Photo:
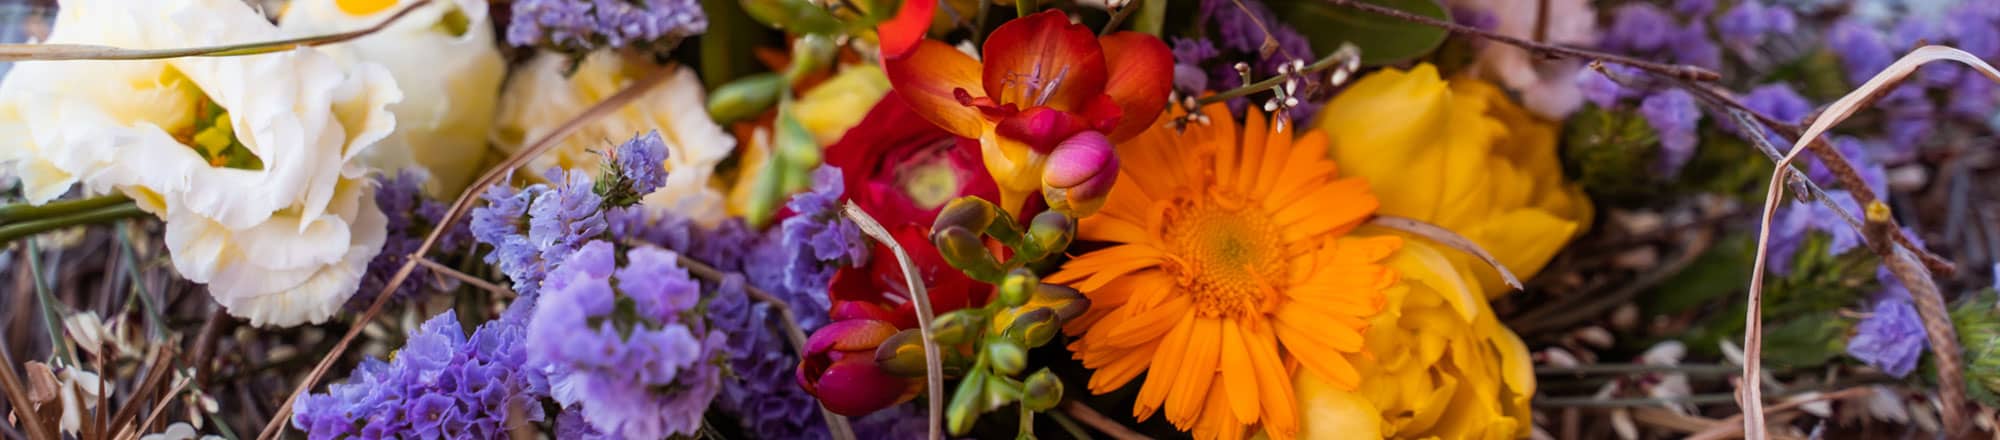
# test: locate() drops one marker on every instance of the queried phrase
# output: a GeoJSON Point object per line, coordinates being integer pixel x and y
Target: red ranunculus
{"type": "Point", "coordinates": [903, 169]}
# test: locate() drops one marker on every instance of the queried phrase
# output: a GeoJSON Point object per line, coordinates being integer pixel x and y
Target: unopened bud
{"type": "Point", "coordinates": [796, 145]}
{"type": "Point", "coordinates": [1067, 302]}
{"type": "Point", "coordinates": [1034, 327]}
{"type": "Point", "coordinates": [1041, 391]}
{"type": "Point", "coordinates": [965, 251]}
{"type": "Point", "coordinates": [966, 403]}
{"type": "Point", "coordinates": [970, 212]}
{"type": "Point", "coordinates": [1051, 232]}
{"type": "Point", "coordinates": [1006, 357]}
{"type": "Point", "coordinates": [955, 327]}
{"type": "Point", "coordinates": [1018, 287]}
{"type": "Point", "coordinates": [902, 354]}
{"type": "Point", "coordinates": [1001, 390]}
{"type": "Point", "coordinates": [1080, 173]}
{"type": "Point", "coordinates": [745, 97]}
{"type": "Point", "coordinates": [810, 53]}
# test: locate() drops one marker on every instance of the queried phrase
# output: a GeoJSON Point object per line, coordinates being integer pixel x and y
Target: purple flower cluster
{"type": "Point", "coordinates": [531, 228]}
{"type": "Point", "coordinates": [411, 217]}
{"type": "Point", "coordinates": [1890, 338]}
{"type": "Point", "coordinates": [822, 238]}
{"type": "Point", "coordinates": [442, 384]}
{"type": "Point", "coordinates": [1675, 117]}
{"type": "Point", "coordinates": [1240, 29]}
{"type": "Point", "coordinates": [1914, 111]}
{"type": "Point", "coordinates": [584, 25]}
{"type": "Point", "coordinates": [640, 165]}
{"type": "Point", "coordinates": [1798, 219]}
{"type": "Point", "coordinates": [626, 345]}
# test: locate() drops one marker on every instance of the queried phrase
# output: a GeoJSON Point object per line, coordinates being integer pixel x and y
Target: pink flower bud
{"type": "Point", "coordinates": [840, 368]}
{"type": "Point", "coordinates": [1080, 173]}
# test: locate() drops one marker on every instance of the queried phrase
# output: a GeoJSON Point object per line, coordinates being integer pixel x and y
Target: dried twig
{"type": "Point", "coordinates": [1448, 238]}
{"type": "Point", "coordinates": [1088, 416]}
{"type": "Point", "coordinates": [1900, 259]}
{"type": "Point", "coordinates": [459, 208]}
{"type": "Point", "coordinates": [1674, 70]}
{"type": "Point", "coordinates": [466, 278]}
{"type": "Point", "coordinates": [1731, 426]}
{"type": "Point", "coordinates": [933, 359]}
{"type": "Point", "coordinates": [17, 396]}
{"type": "Point", "coordinates": [55, 52]}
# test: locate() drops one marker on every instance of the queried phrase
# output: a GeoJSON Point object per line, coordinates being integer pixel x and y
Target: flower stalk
{"type": "Point", "coordinates": [115, 211]}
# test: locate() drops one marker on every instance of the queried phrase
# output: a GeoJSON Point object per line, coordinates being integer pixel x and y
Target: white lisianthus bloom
{"type": "Point", "coordinates": [539, 98]}
{"type": "Point", "coordinates": [443, 58]}
{"type": "Point", "coordinates": [249, 159]}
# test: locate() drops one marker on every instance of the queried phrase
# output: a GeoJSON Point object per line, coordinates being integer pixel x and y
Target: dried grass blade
{"type": "Point", "coordinates": [1944, 343]}
{"type": "Point", "coordinates": [933, 358]}
{"type": "Point", "coordinates": [1448, 238]}
{"type": "Point", "coordinates": [58, 52]}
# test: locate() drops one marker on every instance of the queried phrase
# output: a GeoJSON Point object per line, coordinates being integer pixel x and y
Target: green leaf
{"type": "Point", "coordinates": [1718, 273]}
{"type": "Point", "coordinates": [1382, 40]}
{"type": "Point", "coordinates": [1805, 342]}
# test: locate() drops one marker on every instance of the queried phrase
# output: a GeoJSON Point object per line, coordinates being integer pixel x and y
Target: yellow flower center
{"type": "Point", "coordinates": [1231, 255]}
{"type": "Point", "coordinates": [364, 7]}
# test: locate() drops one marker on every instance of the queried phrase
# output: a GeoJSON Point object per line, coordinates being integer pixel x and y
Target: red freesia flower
{"type": "Point", "coordinates": [902, 169]}
{"type": "Point", "coordinates": [1044, 81]}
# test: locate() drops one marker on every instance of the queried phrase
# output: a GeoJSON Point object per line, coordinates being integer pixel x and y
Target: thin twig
{"type": "Point", "coordinates": [17, 396]}
{"type": "Point", "coordinates": [1674, 70]}
{"type": "Point", "coordinates": [154, 329]}
{"type": "Point", "coordinates": [466, 278]}
{"type": "Point", "coordinates": [1346, 57]}
{"type": "Point", "coordinates": [459, 208]}
{"type": "Point", "coordinates": [52, 317]}
{"type": "Point", "coordinates": [160, 406]}
{"type": "Point", "coordinates": [933, 359]}
{"type": "Point", "coordinates": [24, 229]}
{"type": "Point", "coordinates": [1119, 16]}
{"type": "Point", "coordinates": [155, 372]}
{"type": "Point", "coordinates": [55, 52]}
{"type": "Point", "coordinates": [1732, 426]}
{"type": "Point", "coordinates": [1091, 417]}
{"type": "Point", "coordinates": [25, 211]}
{"type": "Point", "coordinates": [1620, 369]}
{"type": "Point", "coordinates": [204, 345]}
{"type": "Point", "coordinates": [1555, 316]}
{"type": "Point", "coordinates": [1448, 238]}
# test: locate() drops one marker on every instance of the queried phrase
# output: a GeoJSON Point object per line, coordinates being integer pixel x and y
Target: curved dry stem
{"type": "Point", "coordinates": [459, 208]}
{"type": "Point", "coordinates": [1899, 258]}
{"type": "Point", "coordinates": [1448, 238]}
{"type": "Point", "coordinates": [933, 363]}
{"type": "Point", "coordinates": [55, 52]}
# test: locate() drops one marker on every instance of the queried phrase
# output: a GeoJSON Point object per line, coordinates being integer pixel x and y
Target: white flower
{"type": "Point", "coordinates": [539, 98]}
{"type": "Point", "coordinates": [442, 57]}
{"type": "Point", "coordinates": [264, 204]}
{"type": "Point", "coordinates": [178, 431]}
{"type": "Point", "coordinates": [79, 392]}
{"type": "Point", "coordinates": [1546, 86]}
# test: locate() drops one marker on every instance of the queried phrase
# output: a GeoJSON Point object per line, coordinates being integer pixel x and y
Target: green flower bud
{"type": "Point", "coordinates": [1007, 357]}
{"type": "Point", "coordinates": [1034, 327]}
{"type": "Point", "coordinates": [965, 251]}
{"type": "Point", "coordinates": [1001, 390]}
{"type": "Point", "coordinates": [966, 403]}
{"type": "Point", "coordinates": [795, 145]}
{"type": "Point", "coordinates": [1978, 326]}
{"type": "Point", "coordinates": [745, 97]}
{"type": "Point", "coordinates": [1018, 287]}
{"type": "Point", "coordinates": [1042, 391]}
{"type": "Point", "coordinates": [1050, 233]}
{"type": "Point", "coordinates": [810, 53]}
{"type": "Point", "coordinates": [956, 327]}
{"type": "Point", "coordinates": [1067, 302]}
{"type": "Point", "coordinates": [902, 354]}
{"type": "Point", "coordinates": [977, 214]}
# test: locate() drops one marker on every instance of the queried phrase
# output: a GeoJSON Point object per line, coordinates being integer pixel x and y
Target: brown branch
{"type": "Point", "coordinates": [162, 361]}
{"type": "Point", "coordinates": [204, 345]}
{"type": "Point", "coordinates": [17, 396]}
{"type": "Point", "coordinates": [466, 278]}
{"type": "Point", "coordinates": [1103, 424]}
{"type": "Point", "coordinates": [1683, 71]}
{"type": "Point", "coordinates": [459, 208]}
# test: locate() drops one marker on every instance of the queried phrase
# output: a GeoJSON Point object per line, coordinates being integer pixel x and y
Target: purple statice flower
{"type": "Point", "coordinates": [585, 25]}
{"type": "Point", "coordinates": [1973, 98]}
{"type": "Point", "coordinates": [1673, 115]}
{"type": "Point", "coordinates": [532, 227]}
{"type": "Point", "coordinates": [637, 168]}
{"type": "Point", "coordinates": [1778, 101]}
{"type": "Point", "coordinates": [410, 218]}
{"type": "Point", "coordinates": [566, 216]}
{"type": "Point", "coordinates": [1475, 17]}
{"type": "Point", "coordinates": [1798, 219]}
{"type": "Point", "coordinates": [821, 238]}
{"type": "Point", "coordinates": [1604, 91]}
{"type": "Point", "coordinates": [1691, 45]}
{"type": "Point", "coordinates": [1861, 50]}
{"type": "Point", "coordinates": [1638, 27]}
{"type": "Point", "coordinates": [1194, 50]}
{"type": "Point", "coordinates": [627, 346]}
{"type": "Point", "coordinates": [1973, 29]}
{"type": "Point", "coordinates": [441, 384]}
{"type": "Point", "coordinates": [502, 223]}
{"type": "Point", "coordinates": [1913, 31]}
{"type": "Point", "coordinates": [1746, 22]}
{"type": "Point", "coordinates": [1890, 338]}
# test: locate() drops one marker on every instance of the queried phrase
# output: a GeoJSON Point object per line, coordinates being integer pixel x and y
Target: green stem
{"type": "Point", "coordinates": [51, 319]}
{"type": "Point", "coordinates": [16, 231]}
{"type": "Point", "coordinates": [1152, 19]}
{"type": "Point", "coordinates": [1024, 7]}
{"type": "Point", "coordinates": [131, 261]}
{"type": "Point", "coordinates": [979, 22]}
{"type": "Point", "coordinates": [1027, 422]}
{"type": "Point", "coordinates": [23, 211]}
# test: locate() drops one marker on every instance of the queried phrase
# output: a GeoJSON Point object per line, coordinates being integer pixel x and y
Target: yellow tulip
{"type": "Point", "coordinates": [1438, 363]}
{"type": "Point", "coordinates": [1459, 154]}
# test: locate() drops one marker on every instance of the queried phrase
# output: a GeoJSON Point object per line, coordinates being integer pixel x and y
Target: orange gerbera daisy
{"type": "Point", "coordinates": [1230, 267]}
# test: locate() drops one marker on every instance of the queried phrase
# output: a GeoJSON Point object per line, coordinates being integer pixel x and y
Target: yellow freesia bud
{"type": "Point", "coordinates": [1439, 364]}
{"type": "Point", "coordinates": [1460, 155]}
{"type": "Point", "coordinates": [836, 105]}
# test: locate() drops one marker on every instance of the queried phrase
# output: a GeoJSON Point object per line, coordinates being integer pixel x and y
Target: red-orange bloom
{"type": "Point", "coordinates": [1043, 81]}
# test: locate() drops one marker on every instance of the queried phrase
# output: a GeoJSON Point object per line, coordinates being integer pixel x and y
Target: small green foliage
{"type": "Point", "coordinates": [1611, 152]}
